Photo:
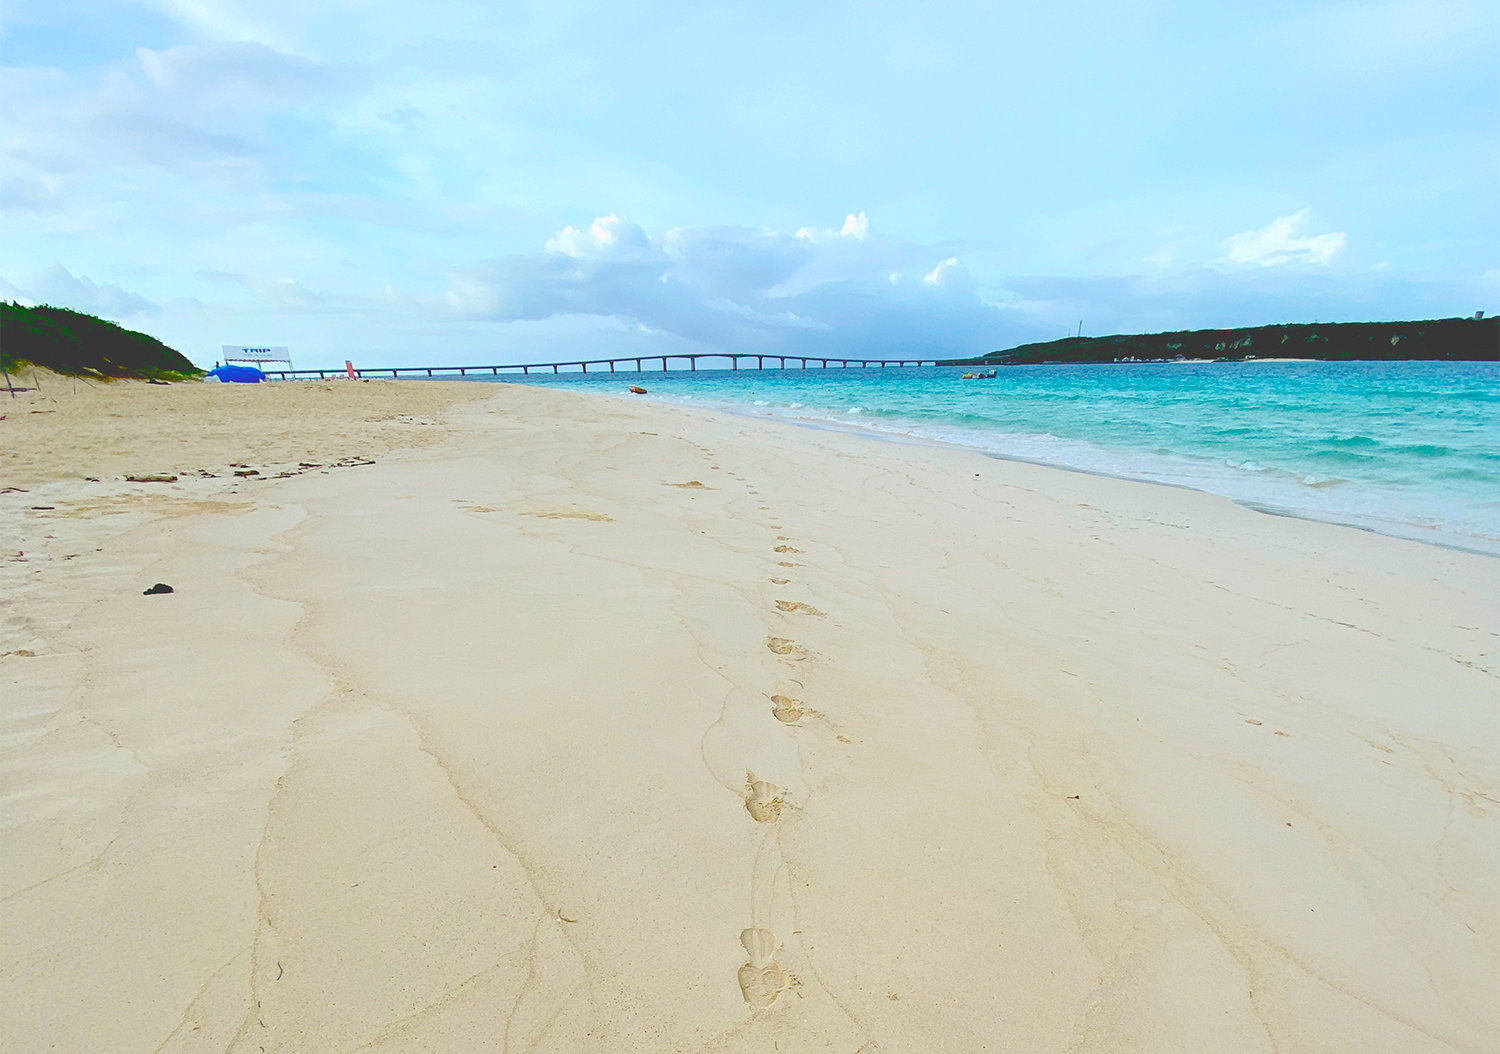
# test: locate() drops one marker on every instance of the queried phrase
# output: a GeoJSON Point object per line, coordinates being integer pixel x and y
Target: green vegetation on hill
{"type": "Point", "coordinates": [1448, 338]}
{"type": "Point", "coordinates": [79, 345]}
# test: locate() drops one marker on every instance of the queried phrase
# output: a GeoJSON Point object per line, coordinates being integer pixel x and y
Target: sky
{"type": "Point", "coordinates": [463, 182]}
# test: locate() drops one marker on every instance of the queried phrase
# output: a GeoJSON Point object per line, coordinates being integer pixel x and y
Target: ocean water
{"type": "Point", "coordinates": [1406, 448]}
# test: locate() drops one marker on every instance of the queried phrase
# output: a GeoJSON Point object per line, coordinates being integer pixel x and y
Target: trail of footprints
{"type": "Point", "coordinates": [762, 980]}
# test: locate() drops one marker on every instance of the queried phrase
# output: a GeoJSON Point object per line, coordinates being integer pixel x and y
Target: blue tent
{"type": "Point", "coordinates": [237, 374]}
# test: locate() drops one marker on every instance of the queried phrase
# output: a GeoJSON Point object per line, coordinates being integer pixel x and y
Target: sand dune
{"type": "Point", "coordinates": [583, 724]}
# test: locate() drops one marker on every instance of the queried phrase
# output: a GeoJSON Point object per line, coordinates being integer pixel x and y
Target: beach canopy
{"type": "Point", "coordinates": [237, 374]}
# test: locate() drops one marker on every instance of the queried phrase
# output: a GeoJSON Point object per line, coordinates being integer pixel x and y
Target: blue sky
{"type": "Point", "coordinates": [461, 182]}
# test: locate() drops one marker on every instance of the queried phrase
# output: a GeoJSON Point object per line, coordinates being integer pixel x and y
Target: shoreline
{"type": "Point", "coordinates": [604, 724]}
{"type": "Point", "coordinates": [1443, 539]}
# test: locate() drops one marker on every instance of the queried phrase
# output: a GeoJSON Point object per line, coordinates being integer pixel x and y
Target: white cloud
{"type": "Point", "coordinates": [59, 287]}
{"type": "Point", "coordinates": [236, 74]}
{"type": "Point", "coordinates": [216, 19]}
{"type": "Point", "coordinates": [1282, 242]}
{"type": "Point", "coordinates": [856, 226]}
{"type": "Point", "coordinates": [194, 111]}
{"type": "Point", "coordinates": [607, 234]}
{"type": "Point", "coordinates": [735, 288]}
{"type": "Point", "coordinates": [940, 274]}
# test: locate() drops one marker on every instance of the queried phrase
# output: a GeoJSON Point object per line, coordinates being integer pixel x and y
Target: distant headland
{"type": "Point", "coordinates": [1450, 339]}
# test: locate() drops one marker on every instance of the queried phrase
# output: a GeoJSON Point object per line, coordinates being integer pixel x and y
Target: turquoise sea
{"type": "Point", "coordinates": [1405, 448]}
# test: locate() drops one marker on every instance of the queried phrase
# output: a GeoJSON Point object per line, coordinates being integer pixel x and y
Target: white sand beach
{"type": "Point", "coordinates": [579, 723]}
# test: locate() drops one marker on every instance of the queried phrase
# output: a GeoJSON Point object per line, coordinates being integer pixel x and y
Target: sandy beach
{"type": "Point", "coordinates": [496, 718]}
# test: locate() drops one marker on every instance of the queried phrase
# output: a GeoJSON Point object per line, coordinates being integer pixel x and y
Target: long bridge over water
{"type": "Point", "coordinates": [601, 365]}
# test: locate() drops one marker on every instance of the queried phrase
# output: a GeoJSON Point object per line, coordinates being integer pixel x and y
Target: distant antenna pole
{"type": "Point", "coordinates": [1080, 327]}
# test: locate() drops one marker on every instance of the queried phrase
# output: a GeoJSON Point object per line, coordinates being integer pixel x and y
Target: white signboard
{"type": "Point", "coordinates": [241, 353]}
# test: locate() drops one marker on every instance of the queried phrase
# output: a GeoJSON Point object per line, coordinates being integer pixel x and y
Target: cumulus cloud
{"type": "Point", "coordinates": [1282, 242]}
{"type": "Point", "coordinates": [856, 226]}
{"type": "Point", "coordinates": [736, 289]}
{"type": "Point", "coordinates": [607, 235]}
{"type": "Point", "coordinates": [943, 272]}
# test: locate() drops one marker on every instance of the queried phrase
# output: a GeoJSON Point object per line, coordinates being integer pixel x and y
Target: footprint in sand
{"type": "Point", "coordinates": [786, 563]}
{"type": "Point", "coordinates": [786, 709]}
{"type": "Point", "coordinates": [570, 514]}
{"type": "Point", "coordinates": [796, 607]}
{"type": "Point", "coordinates": [761, 979]}
{"type": "Point", "coordinates": [692, 484]}
{"type": "Point", "coordinates": [763, 800]}
{"type": "Point", "coordinates": [780, 581]}
{"type": "Point", "coordinates": [787, 549]}
{"type": "Point", "coordinates": [782, 646]}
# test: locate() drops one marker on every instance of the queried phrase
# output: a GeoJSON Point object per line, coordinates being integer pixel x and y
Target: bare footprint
{"type": "Point", "coordinates": [786, 709]}
{"type": "Point", "coordinates": [691, 484]}
{"type": "Point", "coordinates": [786, 563]}
{"type": "Point", "coordinates": [782, 646]}
{"type": "Point", "coordinates": [761, 980]}
{"type": "Point", "coordinates": [791, 606]}
{"type": "Point", "coordinates": [763, 800]}
{"type": "Point", "coordinates": [780, 581]}
{"type": "Point", "coordinates": [787, 549]}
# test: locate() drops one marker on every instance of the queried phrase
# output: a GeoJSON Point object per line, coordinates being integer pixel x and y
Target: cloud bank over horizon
{"type": "Point", "coordinates": [389, 189]}
{"type": "Point", "coordinates": [741, 290]}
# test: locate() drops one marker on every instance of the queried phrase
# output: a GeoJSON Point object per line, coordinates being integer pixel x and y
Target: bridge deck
{"type": "Point", "coordinates": [612, 365]}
